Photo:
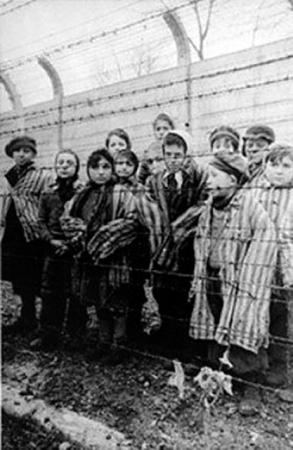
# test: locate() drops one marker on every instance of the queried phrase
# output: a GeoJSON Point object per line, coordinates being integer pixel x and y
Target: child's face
{"type": "Point", "coordinates": [65, 165]}
{"type": "Point", "coordinates": [223, 144]}
{"type": "Point", "coordinates": [116, 143]}
{"type": "Point", "coordinates": [160, 129]}
{"type": "Point", "coordinates": [280, 173]}
{"type": "Point", "coordinates": [124, 168]}
{"type": "Point", "coordinates": [23, 155]}
{"type": "Point", "coordinates": [256, 150]}
{"type": "Point", "coordinates": [174, 157]}
{"type": "Point", "coordinates": [102, 173]}
{"type": "Point", "coordinates": [219, 183]}
{"type": "Point", "coordinates": [155, 160]}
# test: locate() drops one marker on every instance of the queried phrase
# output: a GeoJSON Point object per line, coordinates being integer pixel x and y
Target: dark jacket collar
{"type": "Point", "coordinates": [16, 173]}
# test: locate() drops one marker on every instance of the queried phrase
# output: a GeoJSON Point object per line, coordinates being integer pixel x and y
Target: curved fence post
{"type": "Point", "coordinates": [183, 55]}
{"type": "Point", "coordinates": [14, 98]}
{"type": "Point", "coordinates": [58, 92]}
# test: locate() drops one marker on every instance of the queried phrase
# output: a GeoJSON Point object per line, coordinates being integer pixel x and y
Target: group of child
{"type": "Point", "coordinates": [211, 246]}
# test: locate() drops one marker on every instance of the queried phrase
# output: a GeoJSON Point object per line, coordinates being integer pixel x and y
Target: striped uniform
{"type": "Point", "coordinates": [286, 238]}
{"type": "Point", "coordinates": [248, 252]}
{"type": "Point", "coordinates": [26, 194]}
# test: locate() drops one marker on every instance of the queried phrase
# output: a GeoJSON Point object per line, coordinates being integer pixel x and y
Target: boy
{"type": "Point", "coordinates": [152, 158]}
{"type": "Point", "coordinates": [175, 190]}
{"type": "Point", "coordinates": [234, 249]}
{"type": "Point", "coordinates": [21, 249]}
{"type": "Point", "coordinates": [275, 193]}
{"type": "Point", "coordinates": [224, 138]}
{"type": "Point", "coordinates": [256, 142]}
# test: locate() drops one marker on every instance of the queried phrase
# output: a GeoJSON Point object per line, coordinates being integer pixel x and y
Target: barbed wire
{"type": "Point", "coordinates": [161, 85]}
{"type": "Point", "coordinates": [8, 65]}
{"type": "Point", "coordinates": [17, 7]}
{"type": "Point", "coordinates": [149, 273]}
{"type": "Point", "coordinates": [157, 103]}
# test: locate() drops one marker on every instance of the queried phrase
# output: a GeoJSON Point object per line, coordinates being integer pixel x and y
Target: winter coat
{"type": "Point", "coordinates": [248, 252]}
{"type": "Point", "coordinates": [52, 205]}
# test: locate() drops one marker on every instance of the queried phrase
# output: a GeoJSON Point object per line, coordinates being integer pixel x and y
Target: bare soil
{"type": "Point", "coordinates": [134, 397]}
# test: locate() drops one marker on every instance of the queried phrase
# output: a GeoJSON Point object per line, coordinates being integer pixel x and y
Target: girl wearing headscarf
{"type": "Point", "coordinates": [56, 277]}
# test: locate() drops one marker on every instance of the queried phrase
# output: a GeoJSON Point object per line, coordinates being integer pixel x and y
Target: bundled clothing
{"type": "Point", "coordinates": [104, 279]}
{"type": "Point", "coordinates": [236, 250]}
{"type": "Point", "coordinates": [57, 271]}
{"type": "Point", "coordinates": [22, 250]}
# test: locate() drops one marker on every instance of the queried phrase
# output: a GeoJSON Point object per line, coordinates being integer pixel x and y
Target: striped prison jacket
{"type": "Point", "coordinates": [276, 201]}
{"type": "Point", "coordinates": [248, 252]}
{"type": "Point", "coordinates": [25, 191]}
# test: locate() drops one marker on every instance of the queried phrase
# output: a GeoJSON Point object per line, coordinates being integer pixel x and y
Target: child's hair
{"type": "Point", "coordinates": [96, 156]}
{"type": "Point", "coordinates": [279, 151]}
{"type": "Point", "coordinates": [164, 117]}
{"type": "Point", "coordinates": [130, 155]}
{"type": "Point", "coordinates": [174, 139]}
{"type": "Point", "coordinates": [121, 134]}
{"type": "Point", "coordinates": [71, 152]}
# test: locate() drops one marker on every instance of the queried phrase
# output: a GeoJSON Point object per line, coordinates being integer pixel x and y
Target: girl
{"type": "Point", "coordinates": [57, 267]}
{"type": "Point", "coordinates": [117, 140]}
{"type": "Point", "coordinates": [104, 280]}
{"type": "Point", "coordinates": [152, 159]}
{"type": "Point", "coordinates": [126, 165]}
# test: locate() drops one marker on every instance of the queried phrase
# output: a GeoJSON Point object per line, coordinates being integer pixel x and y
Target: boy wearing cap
{"type": "Point", "coordinates": [224, 139]}
{"type": "Point", "coordinates": [256, 142]}
{"type": "Point", "coordinates": [174, 190]}
{"type": "Point", "coordinates": [21, 251]}
{"type": "Point", "coordinates": [235, 252]}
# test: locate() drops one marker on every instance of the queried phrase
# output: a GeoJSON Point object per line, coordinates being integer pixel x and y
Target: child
{"type": "Point", "coordinates": [126, 164]}
{"type": "Point", "coordinates": [256, 142]}
{"type": "Point", "coordinates": [225, 139]}
{"type": "Point", "coordinates": [275, 193]}
{"type": "Point", "coordinates": [234, 248]}
{"type": "Point", "coordinates": [175, 190]}
{"type": "Point", "coordinates": [21, 248]}
{"type": "Point", "coordinates": [152, 158]}
{"type": "Point", "coordinates": [56, 280]}
{"type": "Point", "coordinates": [104, 280]}
{"type": "Point", "coordinates": [117, 140]}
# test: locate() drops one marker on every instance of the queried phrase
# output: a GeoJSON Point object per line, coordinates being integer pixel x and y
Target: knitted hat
{"type": "Point", "coordinates": [233, 164]}
{"type": "Point", "coordinates": [21, 141]}
{"type": "Point", "coordinates": [260, 131]}
{"type": "Point", "coordinates": [186, 137]}
{"type": "Point", "coordinates": [225, 131]}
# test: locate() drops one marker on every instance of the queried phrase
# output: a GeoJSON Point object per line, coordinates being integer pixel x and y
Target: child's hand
{"type": "Point", "coordinates": [61, 250]}
{"type": "Point", "coordinates": [56, 243]}
{"type": "Point", "coordinates": [59, 246]}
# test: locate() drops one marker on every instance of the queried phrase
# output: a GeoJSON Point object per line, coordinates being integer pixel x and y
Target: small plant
{"type": "Point", "coordinates": [213, 384]}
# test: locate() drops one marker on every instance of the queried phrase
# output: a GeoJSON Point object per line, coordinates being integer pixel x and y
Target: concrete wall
{"type": "Point", "coordinates": [239, 89]}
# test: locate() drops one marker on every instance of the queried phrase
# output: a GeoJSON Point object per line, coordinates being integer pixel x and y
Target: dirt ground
{"type": "Point", "coordinates": [134, 397]}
